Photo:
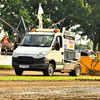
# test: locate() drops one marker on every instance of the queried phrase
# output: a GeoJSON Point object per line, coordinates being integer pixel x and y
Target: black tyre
{"type": "Point", "coordinates": [18, 71]}
{"type": "Point", "coordinates": [76, 71]}
{"type": "Point", "coordinates": [72, 73]}
{"type": "Point", "coordinates": [49, 71]}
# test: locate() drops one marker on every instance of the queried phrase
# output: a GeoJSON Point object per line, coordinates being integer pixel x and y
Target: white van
{"type": "Point", "coordinates": [46, 50]}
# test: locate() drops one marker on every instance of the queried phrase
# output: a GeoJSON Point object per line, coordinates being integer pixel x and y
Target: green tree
{"type": "Point", "coordinates": [75, 11]}
{"type": "Point", "coordinates": [14, 9]}
{"type": "Point", "coordinates": [12, 12]}
{"type": "Point", "coordinates": [81, 46]}
{"type": "Point", "coordinates": [91, 24]}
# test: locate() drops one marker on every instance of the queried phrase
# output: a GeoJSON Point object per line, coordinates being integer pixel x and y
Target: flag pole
{"type": "Point", "coordinates": [57, 23]}
{"type": "Point", "coordinates": [12, 28]}
{"type": "Point", "coordinates": [24, 24]}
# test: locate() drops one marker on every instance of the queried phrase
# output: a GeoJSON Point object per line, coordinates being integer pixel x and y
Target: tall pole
{"type": "Point", "coordinates": [12, 28]}
{"type": "Point", "coordinates": [57, 23]}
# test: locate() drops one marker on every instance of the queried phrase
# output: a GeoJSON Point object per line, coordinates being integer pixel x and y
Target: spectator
{"type": "Point", "coordinates": [80, 51]}
{"type": "Point", "coordinates": [10, 49]}
{"type": "Point", "coordinates": [15, 45]}
{"type": "Point", "coordinates": [4, 50]}
{"type": "Point", "coordinates": [87, 51]}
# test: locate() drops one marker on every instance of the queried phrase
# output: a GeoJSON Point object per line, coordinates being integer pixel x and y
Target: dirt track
{"type": "Point", "coordinates": [47, 90]}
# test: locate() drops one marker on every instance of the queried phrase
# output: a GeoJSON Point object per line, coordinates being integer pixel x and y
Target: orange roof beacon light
{"type": "Point", "coordinates": [46, 30]}
{"type": "Point", "coordinates": [33, 30]}
{"type": "Point", "coordinates": [56, 30]}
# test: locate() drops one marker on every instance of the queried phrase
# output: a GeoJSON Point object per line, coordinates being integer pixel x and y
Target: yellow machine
{"type": "Point", "coordinates": [90, 63]}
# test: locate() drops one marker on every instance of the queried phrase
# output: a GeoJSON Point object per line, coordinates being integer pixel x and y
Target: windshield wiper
{"type": "Point", "coordinates": [25, 45]}
{"type": "Point", "coordinates": [34, 45]}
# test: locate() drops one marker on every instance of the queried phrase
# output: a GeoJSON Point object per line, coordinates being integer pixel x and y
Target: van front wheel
{"type": "Point", "coordinates": [49, 71]}
{"type": "Point", "coordinates": [18, 71]}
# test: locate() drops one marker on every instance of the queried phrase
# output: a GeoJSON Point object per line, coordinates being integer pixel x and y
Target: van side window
{"type": "Point", "coordinates": [59, 40]}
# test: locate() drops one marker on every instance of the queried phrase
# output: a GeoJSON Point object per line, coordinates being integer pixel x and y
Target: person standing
{"type": "Point", "coordinates": [4, 50]}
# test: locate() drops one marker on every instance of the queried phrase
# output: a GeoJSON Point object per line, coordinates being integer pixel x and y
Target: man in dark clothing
{"type": "Point", "coordinates": [4, 50]}
{"type": "Point", "coordinates": [15, 45]}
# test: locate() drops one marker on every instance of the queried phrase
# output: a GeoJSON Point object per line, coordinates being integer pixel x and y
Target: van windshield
{"type": "Point", "coordinates": [37, 40]}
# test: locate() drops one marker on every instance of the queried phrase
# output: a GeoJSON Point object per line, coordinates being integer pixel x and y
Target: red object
{"type": "Point", "coordinates": [5, 40]}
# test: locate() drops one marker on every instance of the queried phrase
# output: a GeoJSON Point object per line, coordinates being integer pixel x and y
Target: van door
{"type": "Point", "coordinates": [58, 55]}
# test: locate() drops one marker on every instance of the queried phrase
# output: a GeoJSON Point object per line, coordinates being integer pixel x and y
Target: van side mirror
{"type": "Point", "coordinates": [57, 46]}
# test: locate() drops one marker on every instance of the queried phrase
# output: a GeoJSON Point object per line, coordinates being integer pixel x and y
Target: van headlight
{"type": "Point", "coordinates": [41, 54]}
{"type": "Point", "coordinates": [14, 53]}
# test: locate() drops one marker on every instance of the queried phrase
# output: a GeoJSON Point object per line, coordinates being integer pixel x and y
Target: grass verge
{"type": "Point", "coordinates": [42, 78]}
{"type": "Point", "coordinates": [6, 67]}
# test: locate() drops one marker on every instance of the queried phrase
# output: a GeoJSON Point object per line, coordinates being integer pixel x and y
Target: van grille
{"type": "Point", "coordinates": [25, 60]}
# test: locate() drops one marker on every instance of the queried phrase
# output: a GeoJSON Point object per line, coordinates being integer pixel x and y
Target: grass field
{"type": "Point", "coordinates": [48, 78]}
{"type": "Point", "coordinates": [6, 67]}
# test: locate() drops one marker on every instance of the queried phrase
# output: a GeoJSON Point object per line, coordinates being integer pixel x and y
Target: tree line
{"type": "Point", "coordinates": [82, 12]}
